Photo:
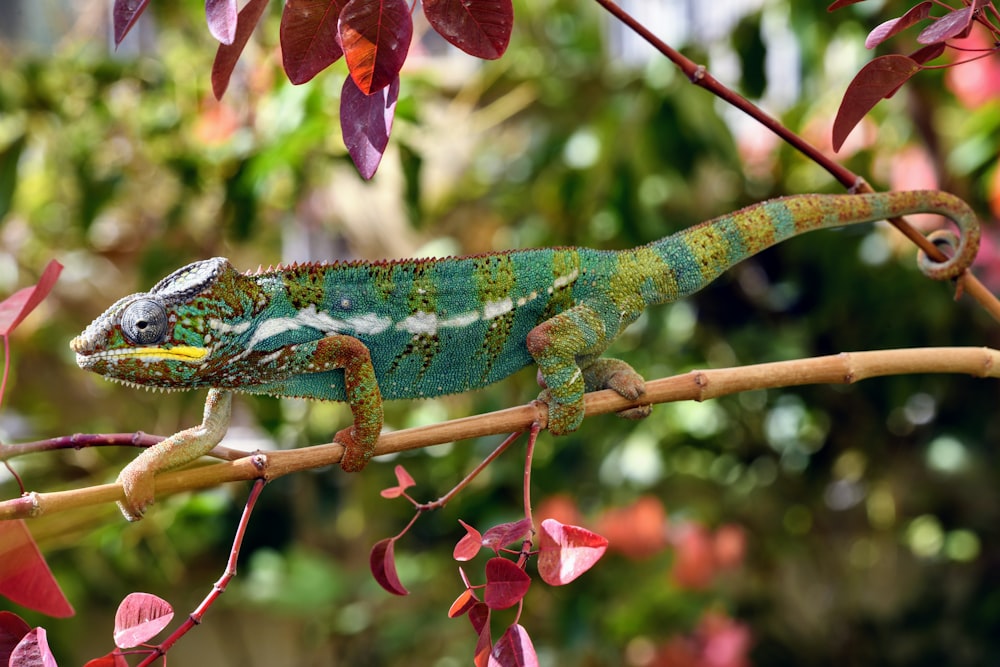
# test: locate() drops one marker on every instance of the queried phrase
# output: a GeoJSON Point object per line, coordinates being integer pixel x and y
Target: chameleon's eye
{"type": "Point", "coordinates": [144, 322]}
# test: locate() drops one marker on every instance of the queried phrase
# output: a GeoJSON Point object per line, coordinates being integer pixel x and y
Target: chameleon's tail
{"type": "Point", "coordinates": [692, 258]}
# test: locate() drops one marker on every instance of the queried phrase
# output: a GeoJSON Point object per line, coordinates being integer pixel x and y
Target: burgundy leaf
{"type": "Point", "coordinates": [928, 53]}
{"type": "Point", "coordinates": [479, 27]}
{"type": "Point", "coordinates": [228, 54]}
{"type": "Point", "coordinates": [463, 603]}
{"type": "Point", "coordinates": [498, 537]}
{"type": "Point", "coordinates": [383, 565]}
{"type": "Point", "coordinates": [365, 122]}
{"type": "Point", "coordinates": [892, 27]}
{"type": "Point", "coordinates": [469, 545]}
{"type": "Point", "coordinates": [124, 14]}
{"type": "Point", "coordinates": [33, 651]}
{"type": "Point", "coordinates": [25, 577]}
{"type": "Point", "coordinates": [876, 80]}
{"type": "Point", "coordinates": [221, 16]}
{"type": "Point", "coordinates": [375, 36]}
{"type": "Point", "coordinates": [140, 617]}
{"type": "Point", "coordinates": [16, 307]}
{"type": "Point", "coordinates": [837, 4]}
{"type": "Point", "coordinates": [309, 38]}
{"type": "Point", "coordinates": [514, 649]}
{"type": "Point", "coordinates": [952, 24]}
{"type": "Point", "coordinates": [506, 583]}
{"type": "Point", "coordinates": [479, 616]}
{"type": "Point", "coordinates": [566, 552]}
{"type": "Point", "coordinates": [12, 630]}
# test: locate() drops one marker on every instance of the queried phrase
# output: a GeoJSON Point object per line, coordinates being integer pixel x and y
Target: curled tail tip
{"type": "Point", "coordinates": [962, 254]}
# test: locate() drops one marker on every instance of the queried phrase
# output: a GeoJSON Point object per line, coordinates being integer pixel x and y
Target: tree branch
{"type": "Point", "coordinates": [698, 385]}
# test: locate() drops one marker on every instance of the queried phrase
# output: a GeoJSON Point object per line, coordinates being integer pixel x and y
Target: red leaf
{"type": "Point", "coordinates": [404, 481]}
{"type": "Point", "coordinates": [221, 16]}
{"type": "Point", "coordinates": [25, 577]}
{"type": "Point", "coordinates": [12, 630]}
{"type": "Point", "coordinates": [375, 36]}
{"type": "Point", "coordinates": [113, 659]}
{"type": "Point", "coordinates": [514, 649]}
{"type": "Point", "coordinates": [124, 15]}
{"type": "Point", "coordinates": [506, 583]}
{"type": "Point", "coordinates": [927, 53]}
{"type": "Point", "coordinates": [309, 38]}
{"type": "Point", "coordinates": [498, 537]}
{"type": "Point", "coordinates": [479, 27]}
{"type": "Point", "coordinates": [33, 651]}
{"type": "Point", "coordinates": [469, 545]}
{"type": "Point", "coordinates": [481, 656]}
{"type": "Point", "coordinates": [567, 552]}
{"type": "Point", "coordinates": [228, 54]}
{"type": "Point", "coordinates": [479, 616]}
{"type": "Point", "coordinates": [837, 4]}
{"type": "Point", "coordinates": [952, 24]}
{"type": "Point", "coordinates": [383, 565]}
{"type": "Point", "coordinates": [895, 26]}
{"type": "Point", "coordinates": [366, 121]}
{"type": "Point", "coordinates": [140, 617]}
{"type": "Point", "coordinates": [876, 80]}
{"type": "Point", "coordinates": [16, 307]}
{"type": "Point", "coordinates": [463, 603]}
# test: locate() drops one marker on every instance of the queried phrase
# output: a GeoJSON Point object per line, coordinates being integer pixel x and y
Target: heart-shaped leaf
{"type": "Point", "coordinates": [566, 552]}
{"type": "Point", "coordinates": [499, 536]}
{"type": "Point", "coordinates": [469, 545]}
{"type": "Point", "coordinates": [514, 649]}
{"type": "Point", "coordinates": [33, 651]}
{"type": "Point", "coordinates": [506, 583]}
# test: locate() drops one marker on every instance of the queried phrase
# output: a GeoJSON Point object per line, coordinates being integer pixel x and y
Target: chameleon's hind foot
{"type": "Point", "coordinates": [563, 417]}
{"type": "Point", "coordinates": [356, 453]}
{"type": "Point", "coordinates": [617, 375]}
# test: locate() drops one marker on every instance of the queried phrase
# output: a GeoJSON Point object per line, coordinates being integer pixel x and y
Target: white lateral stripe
{"type": "Point", "coordinates": [493, 309]}
{"type": "Point", "coordinates": [369, 323]}
{"type": "Point", "coordinates": [420, 323]}
{"type": "Point", "coordinates": [460, 320]}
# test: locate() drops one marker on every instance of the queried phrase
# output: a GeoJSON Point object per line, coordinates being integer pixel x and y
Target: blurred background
{"type": "Point", "coordinates": [811, 526]}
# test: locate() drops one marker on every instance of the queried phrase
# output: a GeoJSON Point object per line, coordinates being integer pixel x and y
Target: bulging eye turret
{"type": "Point", "coordinates": [144, 322]}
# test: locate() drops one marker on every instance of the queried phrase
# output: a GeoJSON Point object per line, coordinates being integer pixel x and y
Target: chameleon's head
{"type": "Point", "coordinates": [158, 338]}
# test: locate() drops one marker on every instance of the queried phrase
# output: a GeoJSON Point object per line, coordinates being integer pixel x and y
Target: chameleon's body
{"type": "Point", "coordinates": [362, 332]}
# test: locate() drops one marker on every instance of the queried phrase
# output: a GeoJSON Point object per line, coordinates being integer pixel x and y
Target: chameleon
{"type": "Point", "coordinates": [367, 331]}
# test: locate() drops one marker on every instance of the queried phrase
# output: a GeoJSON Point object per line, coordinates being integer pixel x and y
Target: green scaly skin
{"type": "Point", "coordinates": [362, 332]}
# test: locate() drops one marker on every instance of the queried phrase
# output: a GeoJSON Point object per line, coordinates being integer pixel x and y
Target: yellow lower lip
{"type": "Point", "coordinates": [179, 353]}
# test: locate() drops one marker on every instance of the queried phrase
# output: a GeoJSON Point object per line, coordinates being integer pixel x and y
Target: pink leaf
{"type": "Point", "coordinates": [479, 27]}
{"type": "Point", "coordinates": [382, 561]}
{"type": "Point", "coordinates": [498, 537]}
{"type": "Point", "coordinates": [33, 651]}
{"type": "Point", "coordinates": [876, 80]}
{"type": "Point", "coordinates": [514, 649]}
{"type": "Point", "coordinates": [567, 552]}
{"type": "Point", "coordinates": [140, 617]}
{"type": "Point", "coordinates": [366, 121]}
{"type": "Point", "coordinates": [16, 307]}
{"type": "Point", "coordinates": [25, 577]}
{"type": "Point", "coordinates": [404, 481]}
{"type": "Point", "coordinates": [221, 17]}
{"type": "Point", "coordinates": [228, 54]}
{"type": "Point", "coordinates": [375, 36]}
{"type": "Point", "coordinates": [469, 545]}
{"type": "Point", "coordinates": [892, 27]}
{"type": "Point", "coordinates": [952, 24]}
{"type": "Point", "coordinates": [309, 38]}
{"type": "Point", "coordinates": [124, 14]}
{"type": "Point", "coordinates": [506, 583]}
{"type": "Point", "coordinates": [12, 630]}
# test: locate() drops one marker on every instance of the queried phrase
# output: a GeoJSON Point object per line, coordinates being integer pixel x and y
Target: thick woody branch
{"type": "Point", "coordinates": [697, 385]}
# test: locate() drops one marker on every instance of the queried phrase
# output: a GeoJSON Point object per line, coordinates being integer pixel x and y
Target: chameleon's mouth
{"type": "Point", "coordinates": [183, 353]}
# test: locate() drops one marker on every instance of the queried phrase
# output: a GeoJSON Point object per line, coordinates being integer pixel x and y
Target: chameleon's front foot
{"type": "Point", "coordinates": [138, 484]}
